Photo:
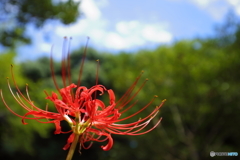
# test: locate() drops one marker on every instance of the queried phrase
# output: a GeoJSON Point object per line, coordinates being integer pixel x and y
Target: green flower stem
{"type": "Point", "coordinates": [73, 146]}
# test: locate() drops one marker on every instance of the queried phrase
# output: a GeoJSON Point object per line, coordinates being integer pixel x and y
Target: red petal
{"type": "Point", "coordinates": [69, 141]}
{"type": "Point", "coordinates": [58, 127]}
{"type": "Point", "coordinates": [110, 143]}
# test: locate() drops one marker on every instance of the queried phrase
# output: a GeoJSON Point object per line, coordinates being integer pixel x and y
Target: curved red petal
{"type": "Point", "coordinates": [110, 143]}
{"type": "Point", "coordinates": [69, 141]}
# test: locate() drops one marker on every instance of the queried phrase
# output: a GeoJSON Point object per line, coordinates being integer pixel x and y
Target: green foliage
{"type": "Point", "coordinates": [200, 81]}
{"type": "Point", "coordinates": [16, 137]}
{"type": "Point", "coordinates": [31, 11]}
{"type": "Point", "coordinates": [16, 14]}
{"type": "Point", "coordinates": [199, 78]}
{"type": "Point", "coordinates": [36, 70]}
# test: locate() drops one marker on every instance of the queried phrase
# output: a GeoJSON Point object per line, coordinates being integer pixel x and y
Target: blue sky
{"type": "Point", "coordinates": [129, 25]}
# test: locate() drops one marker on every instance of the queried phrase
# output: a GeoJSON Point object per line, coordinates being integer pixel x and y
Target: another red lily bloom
{"type": "Point", "coordinates": [89, 118]}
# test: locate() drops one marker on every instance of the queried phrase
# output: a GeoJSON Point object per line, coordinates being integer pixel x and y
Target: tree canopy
{"type": "Point", "coordinates": [198, 77]}
{"type": "Point", "coordinates": [15, 15]}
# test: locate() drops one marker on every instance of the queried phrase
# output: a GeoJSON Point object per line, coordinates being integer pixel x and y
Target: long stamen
{"type": "Point", "coordinates": [95, 95]}
{"type": "Point", "coordinates": [52, 71]}
{"type": "Point", "coordinates": [124, 98]}
{"type": "Point", "coordinates": [69, 62]}
{"type": "Point", "coordinates": [18, 90]}
{"type": "Point", "coordinates": [98, 65]}
{"type": "Point", "coordinates": [64, 59]}
{"type": "Point", "coordinates": [69, 77]}
{"type": "Point", "coordinates": [5, 103]}
{"type": "Point", "coordinates": [90, 119]}
{"type": "Point", "coordinates": [28, 94]}
{"type": "Point", "coordinates": [127, 99]}
{"type": "Point", "coordinates": [138, 110]}
{"type": "Point", "coordinates": [82, 63]}
{"type": "Point", "coordinates": [66, 66]}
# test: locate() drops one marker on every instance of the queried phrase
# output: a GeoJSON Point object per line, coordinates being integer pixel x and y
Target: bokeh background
{"type": "Point", "coordinates": [189, 51]}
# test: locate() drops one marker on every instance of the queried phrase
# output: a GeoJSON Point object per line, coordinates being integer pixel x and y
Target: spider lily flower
{"type": "Point", "coordinates": [89, 118]}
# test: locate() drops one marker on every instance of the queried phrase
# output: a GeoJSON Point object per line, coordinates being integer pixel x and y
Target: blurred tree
{"type": "Point", "coordinates": [16, 138]}
{"type": "Point", "coordinates": [199, 78]}
{"type": "Point", "coordinates": [16, 14]}
{"type": "Point", "coordinates": [36, 70]}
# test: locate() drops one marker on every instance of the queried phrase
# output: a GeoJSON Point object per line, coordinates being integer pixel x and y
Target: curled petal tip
{"type": "Point", "coordinates": [66, 147]}
{"type": "Point", "coordinates": [23, 122]}
{"type": "Point", "coordinates": [110, 143]}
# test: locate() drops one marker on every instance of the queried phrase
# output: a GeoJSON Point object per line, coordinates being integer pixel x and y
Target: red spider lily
{"type": "Point", "coordinates": [90, 118]}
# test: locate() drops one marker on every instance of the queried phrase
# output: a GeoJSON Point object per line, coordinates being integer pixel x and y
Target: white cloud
{"type": "Point", "coordinates": [104, 34]}
{"type": "Point", "coordinates": [235, 4]}
{"type": "Point", "coordinates": [102, 3]}
{"type": "Point", "coordinates": [125, 35]}
{"type": "Point", "coordinates": [203, 3]}
{"type": "Point", "coordinates": [135, 33]}
{"type": "Point", "coordinates": [40, 47]}
{"type": "Point", "coordinates": [90, 9]}
{"type": "Point", "coordinates": [127, 28]}
{"type": "Point", "coordinates": [87, 24]}
{"type": "Point", "coordinates": [115, 41]}
{"type": "Point", "coordinates": [218, 8]}
{"type": "Point", "coordinates": [154, 33]}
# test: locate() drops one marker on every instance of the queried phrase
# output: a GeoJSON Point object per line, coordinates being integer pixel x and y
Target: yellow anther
{"type": "Point", "coordinates": [164, 100]}
{"type": "Point", "coordinates": [97, 60]}
{"type": "Point", "coordinates": [147, 79]}
{"type": "Point", "coordinates": [26, 84]}
{"type": "Point", "coordinates": [155, 96]}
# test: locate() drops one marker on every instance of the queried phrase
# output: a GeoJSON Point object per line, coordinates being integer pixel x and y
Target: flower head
{"type": "Point", "coordinates": [89, 118]}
